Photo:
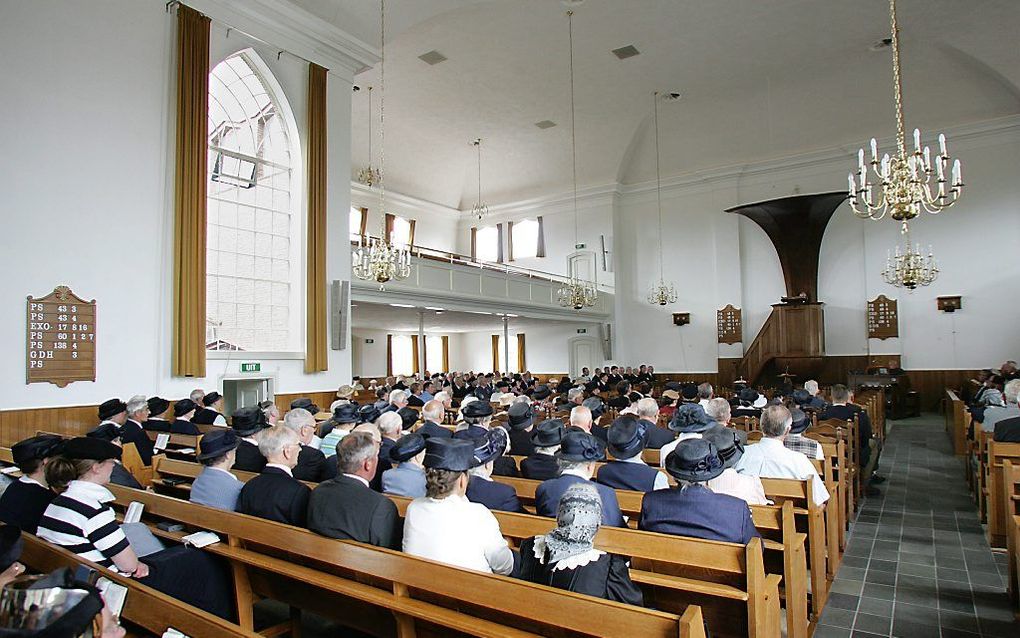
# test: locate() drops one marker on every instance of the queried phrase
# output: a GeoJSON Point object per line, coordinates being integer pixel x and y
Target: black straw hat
{"type": "Point", "coordinates": [694, 460]}
{"type": "Point", "coordinates": [726, 443]}
{"type": "Point", "coordinates": [346, 413]}
{"type": "Point", "coordinates": [217, 443]}
{"type": "Point", "coordinates": [248, 421]}
{"type": "Point", "coordinates": [519, 416]}
{"type": "Point", "coordinates": [111, 407]}
{"type": "Point", "coordinates": [490, 446]}
{"type": "Point", "coordinates": [455, 455]}
{"type": "Point", "coordinates": [157, 405]}
{"type": "Point", "coordinates": [36, 448]}
{"type": "Point", "coordinates": [626, 437]}
{"type": "Point", "coordinates": [104, 432]}
{"type": "Point", "coordinates": [477, 409]}
{"type": "Point", "coordinates": [548, 433]}
{"type": "Point", "coordinates": [304, 403]}
{"type": "Point", "coordinates": [211, 398]}
{"type": "Point", "coordinates": [581, 446]}
{"type": "Point", "coordinates": [407, 447]}
{"type": "Point", "coordinates": [184, 406]}
{"type": "Point", "coordinates": [90, 448]}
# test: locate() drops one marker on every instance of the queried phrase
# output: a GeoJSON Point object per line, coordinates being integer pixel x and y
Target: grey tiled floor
{"type": "Point", "coordinates": [917, 563]}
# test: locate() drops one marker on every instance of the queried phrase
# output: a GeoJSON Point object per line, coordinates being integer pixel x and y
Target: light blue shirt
{"type": "Point", "coordinates": [216, 488]}
{"type": "Point", "coordinates": [426, 396]}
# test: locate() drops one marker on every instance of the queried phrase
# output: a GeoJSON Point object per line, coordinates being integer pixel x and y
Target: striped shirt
{"type": "Point", "coordinates": [80, 521]}
{"type": "Point", "coordinates": [808, 447]}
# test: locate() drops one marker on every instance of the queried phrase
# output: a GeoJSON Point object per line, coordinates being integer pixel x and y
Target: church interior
{"type": "Point", "coordinates": [566, 318]}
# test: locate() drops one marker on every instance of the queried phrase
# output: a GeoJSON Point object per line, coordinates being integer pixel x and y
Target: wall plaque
{"type": "Point", "coordinates": [729, 324]}
{"type": "Point", "coordinates": [60, 338]}
{"type": "Point", "coordinates": [883, 318]}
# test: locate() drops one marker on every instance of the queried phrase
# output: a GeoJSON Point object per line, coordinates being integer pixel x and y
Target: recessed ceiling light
{"type": "Point", "coordinates": [434, 308]}
{"type": "Point", "coordinates": [478, 312]}
{"type": "Point", "coordinates": [402, 305]}
{"type": "Point", "coordinates": [628, 51]}
{"type": "Point", "coordinates": [432, 58]}
{"type": "Point", "coordinates": [544, 124]}
{"type": "Point", "coordinates": [878, 45]}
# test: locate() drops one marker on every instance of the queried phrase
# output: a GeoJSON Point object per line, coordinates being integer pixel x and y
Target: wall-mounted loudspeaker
{"type": "Point", "coordinates": [339, 308]}
{"type": "Point", "coordinates": [950, 304]}
{"type": "Point", "coordinates": [607, 341]}
{"type": "Point", "coordinates": [681, 318]}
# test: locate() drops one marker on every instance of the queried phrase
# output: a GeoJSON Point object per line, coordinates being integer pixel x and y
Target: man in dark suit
{"type": "Point", "coordinates": [157, 411]}
{"type": "Point", "coordinates": [844, 409]}
{"type": "Point", "coordinates": [477, 416]}
{"type": "Point", "coordinates": [247, 423]}
{"type": "Point", "coordinates": [481, 488]}
{"type": "Point", "coordinates": [183, 411]}
{"type": "Point", "coordinates": [627, 471]}
{"type": "Point", "coordinates": [211, 411]}
{"type": "Point", "coordinates": [133, 432]}
{"type": "Point", "coordinates": [346, 507]}
{"type": "Point", "coordinates": [648, 411]}
{"type": "Point", "coordinates": [546, 438]}
{"type": "Point", "coordinates": [311, 463]}
{"type": "Point", "coordinates": [389, 424]}
{"type": "Point", "coordinates": [432, 414]}
{"type": "Point", "coordinates": [692, 509]}
{"type": "Point", "coordinates": [588, 421]}
{"type": "Point", "coordinates": [520, 417]}
{"type": "Point", "coordinates": [578, 454]}
{"type": "Point", "coordinates": [621, 400]}
{"type": "Point", "coordinates": [275, 494]}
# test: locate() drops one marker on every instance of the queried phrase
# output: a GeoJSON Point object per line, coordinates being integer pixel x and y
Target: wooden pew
{"type": "Point", "coordinates": [677, 570]}
{"type": "Point", "coordinates": [361, 585]}
{"type": "Point", "coordinates": [143, 606]}
{"type": "Point", "coordinates": [956, 421]}
{"type": "Point", "coordinates": [998, 454]}
{"type": "Point", "coordinates": [1011, 500]}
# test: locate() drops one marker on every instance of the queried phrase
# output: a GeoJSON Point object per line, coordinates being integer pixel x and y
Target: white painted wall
{"type": "Point", "coordinates": [436, 226]}
{"type": "Point", "coordinates": [86, 187]}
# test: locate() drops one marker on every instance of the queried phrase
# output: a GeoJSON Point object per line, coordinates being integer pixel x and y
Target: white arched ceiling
{"type": "Point", "coordinates": [759, 79]}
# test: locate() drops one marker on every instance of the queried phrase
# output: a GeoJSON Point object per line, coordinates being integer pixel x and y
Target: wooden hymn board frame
{"type": "Point", "coordinates": [883, 318]}
{"type": "Point", "coordinates": [60, 345]}
{"type": "Point", "coordinates": [729, 324]}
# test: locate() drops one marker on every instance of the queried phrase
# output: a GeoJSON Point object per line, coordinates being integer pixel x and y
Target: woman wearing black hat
{"type": "Point", "coordinates": [24, 501]}
{"type": "Point", "coordinates": [566, 557]}
{"type": "Point", "coordinates": [81, 520]}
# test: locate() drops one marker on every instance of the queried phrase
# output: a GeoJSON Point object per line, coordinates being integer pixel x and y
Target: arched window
{"type": "Point", "coordinates": [253, 251]}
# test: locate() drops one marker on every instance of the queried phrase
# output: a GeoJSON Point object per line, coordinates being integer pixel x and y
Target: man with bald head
{"type": "Point", "coordinates": [648, 411]}
{"type": "Point", "coordinates": [432, 414]}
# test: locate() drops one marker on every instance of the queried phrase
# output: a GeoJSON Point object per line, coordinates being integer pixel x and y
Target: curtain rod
{"type": "Point", "coordinates": [172, 4]}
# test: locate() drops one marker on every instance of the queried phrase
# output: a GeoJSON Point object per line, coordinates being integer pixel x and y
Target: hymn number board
{"type": "Point", "coordinates": [883, 318]}
{"type": "Point", "coordinates": [61, 344]}
{"type": "Point", "coordinates": [729, 324]}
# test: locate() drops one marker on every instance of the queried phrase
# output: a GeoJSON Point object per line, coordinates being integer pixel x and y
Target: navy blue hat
{"type": "Point", "coordinates": [157, 405]}
{"type": "Point", "coordinates": [694, 460]}
{"type": "Point", "coordinates": [455, 455]}
{"type": "Point", "coordinates": [36, 448]}
{"type": "Point", "coordinates": [800, 421]}
{"type": "Point", "coordinates": [248, 421]}
{"type": "Point", "coordinates": [211, 398]}
{"type": "Point", "coordinates": [184, 406]}
{"type": "Point", "coordinates": [217, 443]}
{"type": "Point", "coordinates": [581, 446]}
{"type": "Point", "coordinates": [801, 396]}
{"type": "Point", "coordinates": [368, 413]}
{"type": "Point", "coordinates": [690, 417]}
{"type": "Point", "coordinates": [407, 447]}
{"type": "Point", "coordinates": [520, 415]}
{"type": "Point", "coordinates": [111, 407]}
{"type": "Point", "coordinates": [104, 432]}
{"type": "Point", "coordinates": [541, 392]}
{"type": "Point", "coordinates": [492, 445]}
{"type": "Point", "coordinates": [304, 403]}
{"type": "Point", "coordinates": [346, 413]}
{"type": "Point", "coordinates": [90, 448]}
{"type": "Point", "coordinates": [748, 395]}
{"type": "Point", "coordinates": [626, 437]}
{"type": "Point", "coordinates": [408, 417]}
{"type": "Point", "coordinates": [548, 433]}
{"type": "Point", "coordinates": [595, 405]}
{"type": "Point", "coordinates": [476, 409]}
{"type": "Point", "coordinates": [727, 444]}
{"type": "Point", "coordinates": [689, 392]}
{"type": "Point", "coordinates": [10, 546]}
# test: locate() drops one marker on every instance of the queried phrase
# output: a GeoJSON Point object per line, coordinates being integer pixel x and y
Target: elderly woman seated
{"type": "Point", "coordinates": [566, 557]}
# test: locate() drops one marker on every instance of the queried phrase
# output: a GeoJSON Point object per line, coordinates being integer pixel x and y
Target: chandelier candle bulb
{"type": "Point", "coordinates": [917, 139]}
{"type": "Point", "coordinates": [942, 146]}
{"type": "Point", "coordinates": [874, 151]}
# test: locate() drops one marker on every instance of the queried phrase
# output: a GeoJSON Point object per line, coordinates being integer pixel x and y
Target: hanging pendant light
{"type": "Point", "coordinates": [381, 260]}
{"type": "Point", "coordinates": [367, 175]}
{"type": "Point", "coordinates": [906, 184]}
{"type": "Point", "coordinates": [479, 210]}
{"type": "Point", "coordinates": [910, 268]}
{"type": "Point", "coordinates": [662, 293]}
{"type": "Point", "coordinates": [579, 292]}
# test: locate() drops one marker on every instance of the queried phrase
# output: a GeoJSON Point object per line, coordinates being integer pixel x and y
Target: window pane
{"type": "Point", "coordinates": [401, 231]}
{"type": "Point", "coordinates": [434, 354]}
{"type": "Point", "coordinates": [355, 223]}
{"type": "Point", "coordinates": [487, 244]}
{"type": "Point", "coordinates": [525, 238]}
{"type": "Point", "coordinates": [402, 362]}
{"type": "Point", "coordinates": [249, 236]}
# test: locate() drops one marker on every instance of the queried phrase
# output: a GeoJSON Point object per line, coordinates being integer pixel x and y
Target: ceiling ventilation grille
{"type": "Point", "coordinates": [432, 58]}
{"type": "Point", "coordinates": [544, 124]}
{"type": "Point", "coordinates": [628, 51]}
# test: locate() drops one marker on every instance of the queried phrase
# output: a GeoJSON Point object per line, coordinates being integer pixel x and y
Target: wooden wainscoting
{"type": "Point", "coordinates": [16, 425]}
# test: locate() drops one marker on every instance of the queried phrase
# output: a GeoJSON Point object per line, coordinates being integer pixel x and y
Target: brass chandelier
{"type": "Point", "coordinates": [579, 292]}
{"type": "Point", "coordinates": [479, 210]}
{"type": "Point", "coordinates": [910, 268]}
{"type": "Point", "coordinates": [662, 293]}
{"type": "Point", "coordinates": [367, 175]}
{"type": "Point", "coordinates": [381, 260]}
{"type": "Point", "coordinates": [905, 180]}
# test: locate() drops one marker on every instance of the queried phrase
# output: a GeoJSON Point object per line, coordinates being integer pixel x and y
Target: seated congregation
{"type": "Point", "coordinates": [452, 444]}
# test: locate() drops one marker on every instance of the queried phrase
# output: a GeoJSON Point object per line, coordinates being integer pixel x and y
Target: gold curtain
{"type": "Point", "coordinates": [446, 353]}
{"type": "Point", "coordinates": [389, 355]}
{"type": "Point", "coordinates": [364, 221]}
{"type": "Point", "coordinates": [389, 218]}
{"type": "Point", "coordinates": [414, 354]}
{"type": "Point", "coordinates": [521, 367]}
{"type": "Point", "coordinates": [188, 339]}
{"type": "Point", "coordinates": [410, 233]}
{"type": "Point", "coordinates": [316, 359]}
{"type": "Point", "coordinates": [495, 353]}
{"type": "Point", "coordinates": [424, 353]}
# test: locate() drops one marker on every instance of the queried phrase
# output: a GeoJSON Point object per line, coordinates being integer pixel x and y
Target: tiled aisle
{"type": "Point", "coordinates": [917, 564]}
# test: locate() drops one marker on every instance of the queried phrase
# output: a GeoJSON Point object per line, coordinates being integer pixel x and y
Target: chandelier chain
{"type": "Point", "coordinates": [658, 178]}
{"type": "Point", "coordinates": [382, 116]}
{"type": "Point", "coordinates": [901, 133]}
{"type": "Point", "coordinates": [573, 135]}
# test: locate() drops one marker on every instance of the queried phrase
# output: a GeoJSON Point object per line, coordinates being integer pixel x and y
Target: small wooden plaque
{"type": "Point", "coordinates": [60, 346]}
{"type": "Point", "coordinates": [729, 324]}
{"type": "Point", "coordinates": [883, 318]}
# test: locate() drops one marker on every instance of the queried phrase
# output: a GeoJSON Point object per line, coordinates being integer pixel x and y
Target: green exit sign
{"type": "Point", "coordinates": [251, 367]}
